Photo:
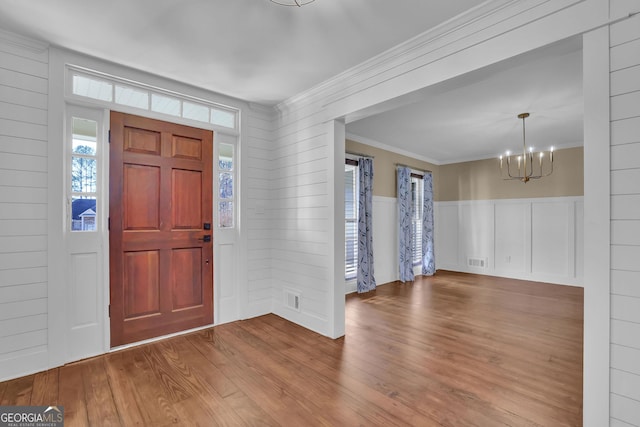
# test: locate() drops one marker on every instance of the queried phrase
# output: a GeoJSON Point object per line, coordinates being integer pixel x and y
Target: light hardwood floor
{"type": "Point", "coordinates": [450, 350]}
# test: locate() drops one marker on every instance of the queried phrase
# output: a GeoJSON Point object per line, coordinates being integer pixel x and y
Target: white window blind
{"type": "Point", "coordinates": [417, 197]}
{"type": "Point", "coordinates": [351, 220]}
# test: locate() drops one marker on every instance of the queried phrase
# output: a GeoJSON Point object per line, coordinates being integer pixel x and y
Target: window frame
{"type": "Point", "coordinates": [109, 99]}
{"type": "Point", "coordinates": [351, 271]}
{"type": "Point", "coordinates": [417, 202]}
{"type": "Point", "coordinates": [96, 116]}
{"type": "Point", "coordinates": [218, 183]}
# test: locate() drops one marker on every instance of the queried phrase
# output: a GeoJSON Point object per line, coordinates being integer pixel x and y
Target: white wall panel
{"type": "Point", "coordinates": [511, 236]}
{"type": "Point", "coordinates": [552, 230]}
{"type": "Point", "coordinates": [476, 233]}
{"type": "Point", "coordinates": [626, 30]}
{"type": "Point", "coordinates": [23, 292]}
{"type": "Point", "coordinates": [625, 359]}
{"type": "Point", "coordinates": [625, 206]}
{"type": "Point", "coordinates": [227, 282]}
{"type": "Point", "coordinates": [625, 232]}
{"type": "Point", "coordinates": [19, 80]}
{"type": "Point", "coordinates": [625, 409]}
{"type": "Point", "coordinates": [625, 181]}
{"type": "Point", "coordinates": [625, 308]}
{"type": "Point", "coordinates": [625, 55]}
{"type": "Point", "coordinates": [300, 189]}
{"type": "Point", "coordinates": [18, 178]}
{"type": "Point", "coordinates": [23, 113]}
{"type": "Point", "coordinates": [385, 239]}
{"type": "Point", "coordinates": [256, 151]}
{"type": "Point", "coordinates": [23, 276]}
{"type": "Point", "coordinates": [84, 289]}
{"type": "Point", "coordinates": [446, 236]}
{"type": "Point", "coordinates": [31, 147]}
{"type": "Point", "coordinates": [22, 341]}
{"type": "Point", "coordinates": [617, 423]}
{"type": "Point", "coordinates": [24, 61]}
{"type": "Point", "coordinates": [625, 333]}
{"type": "Point", "coordinates": [23, 162]}
{"type": "Point", "coordinates": [579, 241]}
{"type": "Point", "coordinates": [625, 80]}
{"type": "Point", "coordinates": [17, 309]}
{"type": "Point", "coordinates": [531, 239]}
{"type": "Point", "coordinates": [20, 96]}
{"type": "Point", "coordinates": [625, 156]}
{"type": "Point", "coordinates": [20, 325]}
{"type": "Point", "coordinates": [625, 131]}
{"type": "Point", "coordinates": [625, 257]}
{"type": "Point", "coordinates": [625, 384]}
{"type": "Point", "coordinates": [625, 283]}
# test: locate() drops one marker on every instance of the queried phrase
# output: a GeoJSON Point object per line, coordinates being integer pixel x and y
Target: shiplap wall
{"type": "Point", "coordinates": [625, 220]}
{"type": "Point", "coordinates": [256, 157]}
{"type": "Point", "coordinates": [299, 212]}
{"type": "Point", "coordinates": [24, 74]}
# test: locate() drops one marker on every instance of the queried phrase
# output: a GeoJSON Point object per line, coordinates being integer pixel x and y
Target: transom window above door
{"type": "Point", "coordinates": [108, 89]}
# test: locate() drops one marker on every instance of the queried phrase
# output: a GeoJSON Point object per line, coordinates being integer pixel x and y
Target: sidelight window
{"type": "Point", "coordinates": [226, 186]}
{"type": "Point", "coordinates": [83, 180]}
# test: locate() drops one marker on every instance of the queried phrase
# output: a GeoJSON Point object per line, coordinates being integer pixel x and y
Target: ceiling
{"type": "Point", "coordinates": [254, 50]}
{"type": "Point", "coordinates": [475, 116]}
{"type": "Point", "coordinates": [261, 52]}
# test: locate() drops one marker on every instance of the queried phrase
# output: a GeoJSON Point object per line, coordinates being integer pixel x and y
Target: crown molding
{"type": "Point", "coordinates": [489, 19]}
{"type": "Point", "coordinates": [382, 146]}
{"type": "Point", "coordinates": [556, 148]}
{"type": "Point", "coordinates": [471, 15]}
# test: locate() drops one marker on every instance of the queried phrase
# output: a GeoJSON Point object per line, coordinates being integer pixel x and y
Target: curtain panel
{"type": "Point", "coordinates": [405, 213]}
{"type": "Point", "coordinates": [365, 278]}
{"type": "Point", "coordinates": [428, 255]}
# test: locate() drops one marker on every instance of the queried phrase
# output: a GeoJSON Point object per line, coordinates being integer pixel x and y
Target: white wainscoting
{"type": "Point", "coordinates": [385, 239]}
{"type": "Point", "coordinates": [532, 239]}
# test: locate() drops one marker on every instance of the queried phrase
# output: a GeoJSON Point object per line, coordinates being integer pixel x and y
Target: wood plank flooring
{"type": "Point", "coordinates": [451, 350]}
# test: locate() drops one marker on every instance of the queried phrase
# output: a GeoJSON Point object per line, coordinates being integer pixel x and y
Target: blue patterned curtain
{"type": "Point", "coordinates": [405, 213]}
{"type": "Point", "coordinates": [428, 256]}
{"type": "Point", "coordinates": [365, 280]}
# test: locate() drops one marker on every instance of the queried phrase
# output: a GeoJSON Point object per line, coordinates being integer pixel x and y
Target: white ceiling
{"type": "Point", "coordinates": [475, 116]}
{"type": "Point", "coordinates": [249, 49]}
{"type": "Point", "coordinates": [261, 52]}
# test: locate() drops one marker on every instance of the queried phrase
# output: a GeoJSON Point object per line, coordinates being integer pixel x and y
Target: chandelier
{"type": "Point", "coordinates": [292, 2]}
{"type": "Point", "coordinates": [527, 168]}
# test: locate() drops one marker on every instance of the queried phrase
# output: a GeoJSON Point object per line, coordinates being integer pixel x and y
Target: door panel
{"type": "Point", "coordinates": [186, 199]}
{"type": "Point", "coordinates": [141, 207]}
{"type": "Point", "coordinates": [187, 269]}
{"type": "Point", "coordinates": [160, 198]}
{"type": "Point", "coordinates": [141, 284]}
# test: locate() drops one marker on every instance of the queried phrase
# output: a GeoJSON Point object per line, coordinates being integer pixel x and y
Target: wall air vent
{"type": "Point", "coordinates": [292, 299]}
{"type": "Point", "coordinates": [477, 262]}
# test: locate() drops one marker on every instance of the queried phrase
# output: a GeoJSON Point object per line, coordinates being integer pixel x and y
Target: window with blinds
{"type": "Point", "coordinates": [350, 219]}
{"type": "Point", "coordinates": [417, 197]}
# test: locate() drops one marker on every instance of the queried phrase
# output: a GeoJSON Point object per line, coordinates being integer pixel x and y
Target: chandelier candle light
{"type": "Point", "coordinates": [526, 167]}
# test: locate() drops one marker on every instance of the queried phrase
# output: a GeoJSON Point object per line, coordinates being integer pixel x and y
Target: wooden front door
{"type": "Point", "coordinates": [160, 213]}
